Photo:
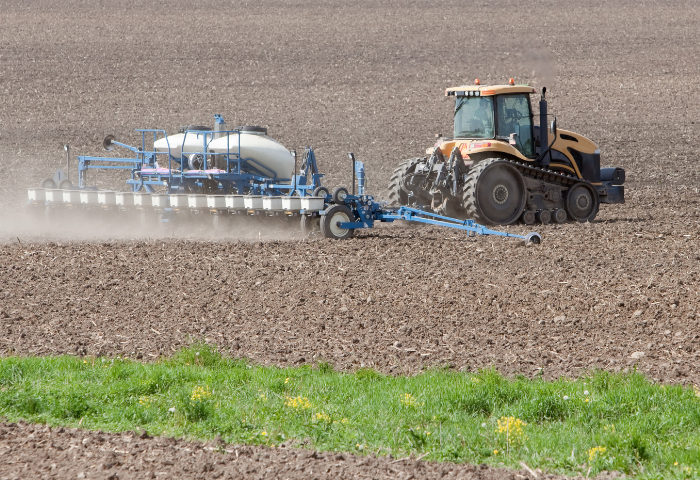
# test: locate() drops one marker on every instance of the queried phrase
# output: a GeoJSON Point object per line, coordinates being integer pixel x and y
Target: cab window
{"type": "Point", "coordinates": [514, 117]}
{"type": "Point", "coordinates": [474, 117]}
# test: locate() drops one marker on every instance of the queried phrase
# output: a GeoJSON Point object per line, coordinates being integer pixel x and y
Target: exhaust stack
{"type": "Point", "coordinates": [544, 138]}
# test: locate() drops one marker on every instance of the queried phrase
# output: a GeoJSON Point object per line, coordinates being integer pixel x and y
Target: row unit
{"type": "Point", "coordinates": [165, 200]}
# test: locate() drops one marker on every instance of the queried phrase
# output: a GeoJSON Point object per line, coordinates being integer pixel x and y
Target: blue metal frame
{"type": "Point", "coordinates": [246, 175]}
{"type": "Point", "coordinates": [367, 211]}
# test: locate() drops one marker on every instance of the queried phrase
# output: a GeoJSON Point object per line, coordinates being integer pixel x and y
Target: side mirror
{"type": "Point", "coordinates": [553, 128]}
{"type": "Point", "coordinates": [513, 139]}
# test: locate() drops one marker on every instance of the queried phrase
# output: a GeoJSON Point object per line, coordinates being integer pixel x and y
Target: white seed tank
{"type": "Point", "coordinates": [274, 158]}
{"type": "Point", "coordinates": [271, 157]}
{"type": "Point", "coordinates": [193, 142]}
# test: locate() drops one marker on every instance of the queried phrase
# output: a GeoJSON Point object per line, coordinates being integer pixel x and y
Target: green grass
{"type": "Point", "coordinates": [639, 428]}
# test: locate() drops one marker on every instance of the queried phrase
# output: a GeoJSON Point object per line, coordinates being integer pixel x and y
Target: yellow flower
{"type": "Point", "coordinates": [263, 432]}
{"type": "Point", "coordinates": [595, 453]}
{"type": "Point", "coordinates": [675, 463]}
{"type": "Point", "coordinates": [345, 420]}
{"type": "Point", "coordinates": [495, 452]}
{"type": "Point", "coordinates": [200, 393]}
{"type": "Point", "coordinates": [513, 428]}
{"type": "Point", "coordinates": [586, 400]}
{"type": "Point", "coordinates": [323, 417]}
{"type": "Point", "coordinates": [409, 400]}
{"type": "Point", "coordinates": [298, 403]}
{"type": "Point", "coordinates": [286, 380]}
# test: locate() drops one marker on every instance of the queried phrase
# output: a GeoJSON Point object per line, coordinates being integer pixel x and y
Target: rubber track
{"type": "Point", "coordinates": [396, 177]}
{"type": "Point", "coordinates": [469, 190]}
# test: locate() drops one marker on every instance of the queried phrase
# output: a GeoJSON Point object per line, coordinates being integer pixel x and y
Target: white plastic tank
{"type": "Point", "coordinates": [193, 142]}
{"type": "Point", "coordinates": [254, 143]}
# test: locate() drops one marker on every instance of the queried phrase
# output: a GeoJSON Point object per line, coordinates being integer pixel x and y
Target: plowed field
{"type": "Point", "coordinates": [364, 77]}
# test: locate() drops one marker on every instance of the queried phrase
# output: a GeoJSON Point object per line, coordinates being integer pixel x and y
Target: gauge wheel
{"type": "Point", "coordinates": [320, 192]}
{"type": "Point", "coordinates": [48, 183]}
{"type": "Point", "coordinates": [339, 195]}
{"type": "Point", "coordinates": [330, 223]}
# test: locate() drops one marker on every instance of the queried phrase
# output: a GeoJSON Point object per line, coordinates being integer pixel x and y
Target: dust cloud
{"type": "Point", "coordinates": [44, 224]}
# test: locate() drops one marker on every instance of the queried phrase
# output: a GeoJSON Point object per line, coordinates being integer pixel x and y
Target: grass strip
{"type": "Point", "coordinates": [598, 422]}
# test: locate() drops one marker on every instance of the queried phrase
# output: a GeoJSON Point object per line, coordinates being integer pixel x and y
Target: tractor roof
{"type": "Point", "coordinates": [486, 90]}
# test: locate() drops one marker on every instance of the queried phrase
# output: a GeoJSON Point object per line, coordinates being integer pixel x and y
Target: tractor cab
{"type": "Point", "coordinates": [501, 112]}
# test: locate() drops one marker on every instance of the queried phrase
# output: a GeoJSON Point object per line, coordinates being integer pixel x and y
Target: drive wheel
{"type": "Point", "coordinates": [494, 192]}
{"type": "Point", "coordinates": [397, 192]}
{"type": "Point", "coordinates": [330, 222]}
{"type": "Point", "coordinates": [581, 203]}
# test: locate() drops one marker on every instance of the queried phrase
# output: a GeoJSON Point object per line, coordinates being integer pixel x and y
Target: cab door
{"type": "Point", "coordinates": [515, 116]}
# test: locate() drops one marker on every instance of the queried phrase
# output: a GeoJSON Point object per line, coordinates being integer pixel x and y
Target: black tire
{"type": "Point", "coordinates": [560, 215]}
{"type": "Point", "coordinates": [494, 192]}
{"type": "Point", "coordinates": [310, 226]}
{"type": "Point", "coordinates": [544, 217]}
{"type": "Point", "coordinates": [397, 194]}
{"type": "Point", "coordinates": [320, 192]}
{"type": "Point", "coordinates": [65, 184]}
{"type": "Point", "coordinates": [581, 203]}
{"type": "Point", "coordinates": [47, 183]}
{"type": "Point", "coordinates": [335, 215]}
{"type": "Point", "coordinates": [528, 217]}
{"type": "Point", "coordinates": [339, 195]}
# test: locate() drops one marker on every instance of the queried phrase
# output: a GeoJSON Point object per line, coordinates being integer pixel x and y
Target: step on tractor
{"type": "Point", "coordinates": [228, 179]}
{"type": "Point", "coordinates": [500, 168]}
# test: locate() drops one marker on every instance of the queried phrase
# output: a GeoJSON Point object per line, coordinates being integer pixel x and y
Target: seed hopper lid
{"type": "Point", "coordinates": [252, 129]}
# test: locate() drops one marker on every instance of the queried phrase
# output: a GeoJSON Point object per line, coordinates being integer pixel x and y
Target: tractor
{"type": "Point", "coordinates": [500, 168]}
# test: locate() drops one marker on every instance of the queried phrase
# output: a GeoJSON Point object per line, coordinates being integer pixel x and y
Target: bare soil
{"type": "Point", "coordinates": [621, 292]}
{"type": "Point", "coordinates": [39, 451]}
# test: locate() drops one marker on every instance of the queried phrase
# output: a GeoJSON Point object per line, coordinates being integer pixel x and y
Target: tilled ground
{"type": "Point", "coordinates": [396, 299]}
{"type": "Point", "coordinates": [368, 78]}
{"type": "Point", "coordinates": [38, 451]}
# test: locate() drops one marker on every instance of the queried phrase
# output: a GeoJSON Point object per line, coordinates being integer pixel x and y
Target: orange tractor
{"type": "Point", "coordinates": [500, 168]}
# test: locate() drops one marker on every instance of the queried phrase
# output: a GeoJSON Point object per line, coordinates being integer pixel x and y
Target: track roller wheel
{"type": "Point", "coordinates": [559, 215]}
{"type": "Point", "coordinates": [544, 217]}
{"type": "Point", "coordinates": [529, 217]}
{"type": "Point", "coordinates": [310, 226]}
{"type": "Point", "coordinates": [339, 195]}
{"type": "Point", "coordinates": [65, 184]}
{"type": "Point", "coordinates": [581, 203]}
{"type": "Point", "coordinates": [48, 183]}
{"type": "Point", "coordinates": [320, 192]}
{"type": "Point", "coordinates": [330, 222]}
{"type": "Point", "coordinates": [494, 192]}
